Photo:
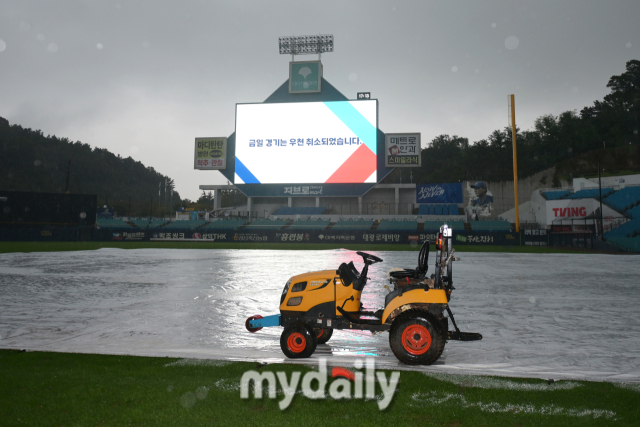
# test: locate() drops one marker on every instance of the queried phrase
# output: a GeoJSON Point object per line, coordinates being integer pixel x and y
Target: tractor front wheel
{"type": "Point", "coordinates": [323, 334]}
{"type": "Point", "coordinates": [298, 341]}
{"type": "Point", "coordinates": [416, 338]}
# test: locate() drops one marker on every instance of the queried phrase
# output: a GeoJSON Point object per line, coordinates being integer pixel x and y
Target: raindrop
{"type": "Point", "coordinates": [40, 37]}
{"type": "Point", "coordinates": [83, 215]}
{"type": "Point", "coordinates": [99, 45]}
{"type": "Point", "coordinates": [6, 209]}
{"type": "Point", "coordinates": [134, 149]}
{"type": "Point", "coordinates": [477, 71]}
{"type": "Point", "coordinates": [353, 77]}
{"type": "Point", "coordinates": [24, 26]}
{"type": "Point", "coordinates": [26, 208]}
{"type": "Point", "coordinates": [169, 388]}
{"type": "Point", "coordinates": [145, 44]}
{"type": "Point", "coordinates": [454, 69]}
{"type": "Point", "coordinates": [201, 392]}
{"type": "Point", "coordinates": [511, 42]}
{"type": "Point", "coordinates": [37, 163]}
{"type": "Point", "coordinates": [635, 131]}
{"type": "Point", "coordinates": [532, 300]}
{"type": "Point", "coordinates": [413, 244]}
{"type": "Point", "coordinates": [628, 45]}
{"type": "Point", "coordinates": [394, 9]}
{"type": "Point", "coordinates": [569, 150]}
{"type": "Point", "coordinates": [53, 48]}
{"type": "Point", "coordinates": [3, 45]}
{"type": "Point", "coordinates": [188, 399]}
{"type": "Point", "coordinates": [574, 89]}
{"type": "Point", "coordinates": [493, 25]}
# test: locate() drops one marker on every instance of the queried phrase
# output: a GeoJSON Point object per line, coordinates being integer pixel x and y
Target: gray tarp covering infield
{"type": "Point", "coordinates": [547, 316]}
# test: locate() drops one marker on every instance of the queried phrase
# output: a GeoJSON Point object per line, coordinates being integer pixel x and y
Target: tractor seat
{"type": "Point", "coordinates": [349, 274]}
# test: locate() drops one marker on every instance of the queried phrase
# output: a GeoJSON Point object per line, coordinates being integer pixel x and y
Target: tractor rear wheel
{"type": "Point", "coordinates": [298, 341]}
{"type": "Point", "coordinates": [323, 334]}
{"type": "Point", "coordinates": [416, 338]}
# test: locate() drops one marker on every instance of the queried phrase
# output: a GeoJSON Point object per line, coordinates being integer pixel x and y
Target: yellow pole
{"type": "Point", "coordinates": [515, 159]}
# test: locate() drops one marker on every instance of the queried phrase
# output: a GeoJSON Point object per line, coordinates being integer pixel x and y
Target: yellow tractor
{"type": "Point", "coordinates": [313, 304]}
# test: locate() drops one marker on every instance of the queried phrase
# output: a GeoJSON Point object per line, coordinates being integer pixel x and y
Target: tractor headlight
{"type": "Point", "coordinates": [284, 291]}
{"type": "Point", "coordinates": [294, 301]}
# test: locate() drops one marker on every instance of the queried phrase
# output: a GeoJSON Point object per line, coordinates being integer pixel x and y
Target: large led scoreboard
{"type": "Point", "coordinates": [331, 142]}
{"type": "Point", "coordinates": [315, 144]}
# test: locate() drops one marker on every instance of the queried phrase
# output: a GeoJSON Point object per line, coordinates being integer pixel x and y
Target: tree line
{"type": "Point", "coordinates": [31, 161]}
{"type": "Point", "coordinates": [607, 124]}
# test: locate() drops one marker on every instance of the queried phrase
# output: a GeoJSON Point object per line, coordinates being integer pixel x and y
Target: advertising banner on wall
{"type": "Point", "coordinates": [210, 153]}
{"type": "Point", "coordinates": [402, 150]}
{"type": "Point", "coordinates": [439, 193]}
{"type": "Point", "coordinates": [567, 211]}
{"type": "Point", "coordinates": [308, 236]}
{"type": "Point", "coordinates": [570, 209]}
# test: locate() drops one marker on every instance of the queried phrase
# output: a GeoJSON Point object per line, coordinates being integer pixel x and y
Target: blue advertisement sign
{"type": "Point", "coordinates": [439, 193]}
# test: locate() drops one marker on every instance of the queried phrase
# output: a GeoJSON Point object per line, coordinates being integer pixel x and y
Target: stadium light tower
{"type": "Point", "coordinates": [304, 45]}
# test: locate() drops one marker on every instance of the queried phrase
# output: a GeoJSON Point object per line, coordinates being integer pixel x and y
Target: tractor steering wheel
{"type": "Point", "coordinates": [423, 257]}
{"type": "Point", "coordinates": [368, 258]}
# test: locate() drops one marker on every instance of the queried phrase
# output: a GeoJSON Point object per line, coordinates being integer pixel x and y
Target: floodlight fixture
{"type": "Point", "coordinates": [304, 45]}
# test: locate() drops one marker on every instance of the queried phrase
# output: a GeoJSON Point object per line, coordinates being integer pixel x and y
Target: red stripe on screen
{"type": "Point", "coordinates": [356, 169]}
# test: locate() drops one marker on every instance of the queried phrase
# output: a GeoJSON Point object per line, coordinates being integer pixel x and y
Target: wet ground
{"type": "Point", "coordinates": [545, 316]}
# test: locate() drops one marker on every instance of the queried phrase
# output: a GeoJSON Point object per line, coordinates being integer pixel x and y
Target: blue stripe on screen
{"type": "Point", "coordinates": [245, 174]}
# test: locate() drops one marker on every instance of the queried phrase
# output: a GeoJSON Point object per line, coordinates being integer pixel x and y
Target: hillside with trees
{"type": "Point", "coordinates": [612, 123]}
{"type": "Point", "coordinates": [31, 161]}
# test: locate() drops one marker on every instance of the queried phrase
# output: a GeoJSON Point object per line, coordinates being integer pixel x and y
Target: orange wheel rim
{"type": "Point", "coordinates": [321, 333]}
{"type": "Point", "coordinates": [416, 339]}
{"type": "Point", "coordinates": [296, 342]}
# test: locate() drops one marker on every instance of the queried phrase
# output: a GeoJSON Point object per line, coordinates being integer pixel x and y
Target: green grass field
{"type": "Point", "coordinates": [56, 389]}
{"type": "Point", "coordinates": [6, 247]}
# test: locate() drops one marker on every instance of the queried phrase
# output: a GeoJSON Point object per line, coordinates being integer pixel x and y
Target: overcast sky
{"type": "Point", "coordinates": [144, 78]}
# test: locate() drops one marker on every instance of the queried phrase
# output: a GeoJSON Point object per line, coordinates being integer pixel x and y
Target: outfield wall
{"type": "Point", "coordinates": [316, 236]}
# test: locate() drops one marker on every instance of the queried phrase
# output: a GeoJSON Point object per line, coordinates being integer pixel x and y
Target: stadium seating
{"type": "Point", "coordinates": [634, 213]}
{"type": "Point", "coordinates": [590, 193]}
{"type": "Point", "coordinates": [353, 224]}
{"type": "Point", "coordinates": [555, 195]}
{"type": "Point", "coordinates": [310, 224]}
{"type": "Point", "coordinates": [434, 226]}
{"type": "Point", "coordinates": [267, 224]}
{"type": "Point", "coordinates": [623, 199]}
{"type": "Point", "coordinates": [157, 222]}
{"type": "Point", "coordinates": [438, 209]}
{"type": "Point", "coordinates": [403, 225]}
{"type": "Point", "coordinates": [112, 223]}
{"type": "Point", "coordinates": [300, 211]}
{"type": "Point", "coordinates": [626, 243]}
{"type": "Point", "coordinates": [628, 229]}
{"type": "Point", "coordinates": [498, 225]}
{"type": "Point", "coordinates": [190, 224]}
{"type": "Point", "coordinates": [145, 223]}
{"type": "Point", "coordinates": [225, 224]}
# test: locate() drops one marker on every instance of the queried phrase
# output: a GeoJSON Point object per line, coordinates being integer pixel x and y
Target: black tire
{"type": "Point", "coordinates": [323, 334]}
{"type": "Point", "coordinates": [298, 341]}
{"type": "Point", "coordinates": [416, 338]}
